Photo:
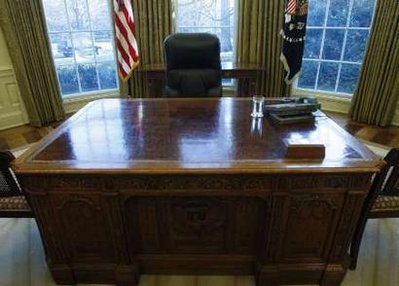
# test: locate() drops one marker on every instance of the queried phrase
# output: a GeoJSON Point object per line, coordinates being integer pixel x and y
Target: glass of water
{"type": "Point", "coordinates": [257, 110]}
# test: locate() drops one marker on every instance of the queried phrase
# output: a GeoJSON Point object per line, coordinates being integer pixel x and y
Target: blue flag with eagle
{"type": "Point", "coordinates": [293, 33]}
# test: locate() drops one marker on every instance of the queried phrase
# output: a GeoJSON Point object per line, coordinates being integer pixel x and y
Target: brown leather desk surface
{"type": "Point", "coordinates": [188, 135]}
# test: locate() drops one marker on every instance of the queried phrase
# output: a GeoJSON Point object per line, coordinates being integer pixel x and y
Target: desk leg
{"type": "Point", "coordinates": [246, 87]}
{"type": "Point", "coordinates": [242, 90]}
{"type": "Point", "coordinates": [267, 276]}
{"type": "Point", "coordinates": [127, 275]}
{"type": "Point", "coordinates": [333, 275]}
{"type": "Point", "coordinates": [61, 273]}
{"type": "Point", "coordinates": [252, 87]}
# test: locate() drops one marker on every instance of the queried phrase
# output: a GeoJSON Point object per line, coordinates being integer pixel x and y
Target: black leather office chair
{"type": "Point", "coordinates": [193, 66]}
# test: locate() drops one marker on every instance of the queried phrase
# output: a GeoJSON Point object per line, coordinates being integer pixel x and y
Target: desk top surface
{"type": "Point", "coordinates": [188, 135]}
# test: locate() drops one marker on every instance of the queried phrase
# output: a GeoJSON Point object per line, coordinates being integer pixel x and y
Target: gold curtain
{"type": "Point", "coordinates": [259, 42]}
{"type": "Point", "coordinates": [24, 28]}
{"type": "Point", "coordinates": [377, 91]}
{"type": "Point", "coordinates": [153, 19]}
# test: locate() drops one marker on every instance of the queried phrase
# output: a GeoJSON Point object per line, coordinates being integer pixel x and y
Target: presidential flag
{"type": "Point", "coordinates": [293, 33]}
{"type": "Point", "coordinates": [126, 44]}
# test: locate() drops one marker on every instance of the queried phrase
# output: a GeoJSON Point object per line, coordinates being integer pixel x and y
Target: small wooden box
{"type": "Point", "coordinates": [305, 151]}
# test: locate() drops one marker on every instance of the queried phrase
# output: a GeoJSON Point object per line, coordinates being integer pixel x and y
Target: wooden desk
{"type": "Point", "coordinates": [247, 75]}
{"type": "Point", "coordinates": [126, 187]}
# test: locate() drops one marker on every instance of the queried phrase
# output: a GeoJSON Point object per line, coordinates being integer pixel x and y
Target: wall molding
{"type": "Point", "coordinates": [6, 71]}
{"type": "Point", "coordinates": [12, 109]}
{"type": "Point", "coordinates": [395, 120]}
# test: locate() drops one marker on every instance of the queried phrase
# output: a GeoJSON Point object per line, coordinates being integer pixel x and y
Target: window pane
{"type": "Point", "coordinates": [317, 12]}
{"type": "Point", "coordinates": [355, 45]}
{"type": "Point", "coordinates": [362, 13]}
{"type": "Point", "coordinates": [103, 46]}
{"type": "Point", "coordinates": [61, 48]}
{"type": "Point", "coordinates": [100, 15]}
{"type": "Point", "coordinates": [308, 76]}
{"type": "Point", "coordinates": [55, 14]}
{"type": "Point", "coordinates": [68, 79]}
{"type": "Point", "coordinates": [343, 16]}
{"type": "Point", "coordinates": [78, 15]}
{"type": "Point", "coordinates": [338, 13]}
{"type": "Point", "coordinates": [333, 44]}
{"type": "Point", "coordinates": [327, 76]}
{"type": "Point", "coordinates": [313, 43]}
{"type": "Point", "coordinates": [81, 39]}
{"type": "Point", "coordinates": [84, 50]}
{"type": "Point", "coordinates": [106, 73]}
{"type": "Point", "coordinates": [88, 77]}
{"type": "Point", "coordinates": [348, 78]}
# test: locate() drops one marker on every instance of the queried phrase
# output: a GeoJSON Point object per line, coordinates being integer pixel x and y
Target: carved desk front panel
{"type": "Point", "coordinates": [110, 229]}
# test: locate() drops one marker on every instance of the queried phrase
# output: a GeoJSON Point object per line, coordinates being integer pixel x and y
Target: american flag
{"type": "Point", "coordinates": [127, 50]}
{"type": "Point", "coordinates": [291, 7]}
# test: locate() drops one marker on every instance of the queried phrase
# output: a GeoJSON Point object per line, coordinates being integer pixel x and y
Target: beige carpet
{"type": "Point", "coordinates": [22, 258]}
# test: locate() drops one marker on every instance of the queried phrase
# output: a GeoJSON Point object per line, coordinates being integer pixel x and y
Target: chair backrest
{"type": "Point", "coordinates": [389, 181]}
{"type": "Point", "coordinates": [193, 66]}
{"type": "Point", "coordinates": [8, 183]}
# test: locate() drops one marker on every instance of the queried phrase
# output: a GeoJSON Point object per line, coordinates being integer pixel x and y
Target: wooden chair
{"type": "Point", "coordinates": [12, 201]}
{"type": "Point", "coordinates": [381, 202]}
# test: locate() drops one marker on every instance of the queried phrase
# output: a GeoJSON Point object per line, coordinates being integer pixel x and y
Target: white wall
{"type": "Point", "coordinates": [12, 110]}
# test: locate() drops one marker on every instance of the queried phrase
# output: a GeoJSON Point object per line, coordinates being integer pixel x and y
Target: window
{"type": "Point", "coordinates": [210, 16]}
{"type": "Point", "coordinates": [81, 37]}
{"type": "Point", "coordinates": [336, 39]}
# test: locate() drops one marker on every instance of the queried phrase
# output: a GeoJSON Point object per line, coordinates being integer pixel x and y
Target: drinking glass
{"type": "Point", "coordinates": [257, 110]}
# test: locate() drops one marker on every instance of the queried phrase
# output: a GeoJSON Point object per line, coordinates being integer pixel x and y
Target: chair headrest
{"type": "Point", "coordinates": [192, 51]}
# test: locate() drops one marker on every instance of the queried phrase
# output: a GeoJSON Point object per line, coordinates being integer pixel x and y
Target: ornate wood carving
{"type": "Point", "coordinates": [84, 227]}
{"type": "Point", "coordinates": [114, 219]}
{"type": "Point", "coordinates": [249, 223]}
{"type": "Point", "coordinates": [349, 218]}
{"type": "Point", "coordinates": [196, 224]}
{"type": "Point", "coordinates": [136, 220]}
{"type": "Point", "coordinates": [194, 183]}
{"type": "Point", "coordinates": [141, 215]}
{"type": "Point", "coordinates": [311, 218]}
{"type": "Point", "coordinates": [326, 181]}
{"type": "Point", "coordinates": [45, 220]}
{"type": "Point", "coordinates": [274, 235]}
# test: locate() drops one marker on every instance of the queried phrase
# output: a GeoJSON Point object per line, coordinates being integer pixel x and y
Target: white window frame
{"type": "Point", "coordinates": [75, 100]}
{"type": "Point", "coordinates": [300, 91]}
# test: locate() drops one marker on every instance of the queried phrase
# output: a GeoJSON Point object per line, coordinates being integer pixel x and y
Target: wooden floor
{"type": "Point", "coordinates": [20, 136]}
{"type": "Point", "coordinates": [388, 136]}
